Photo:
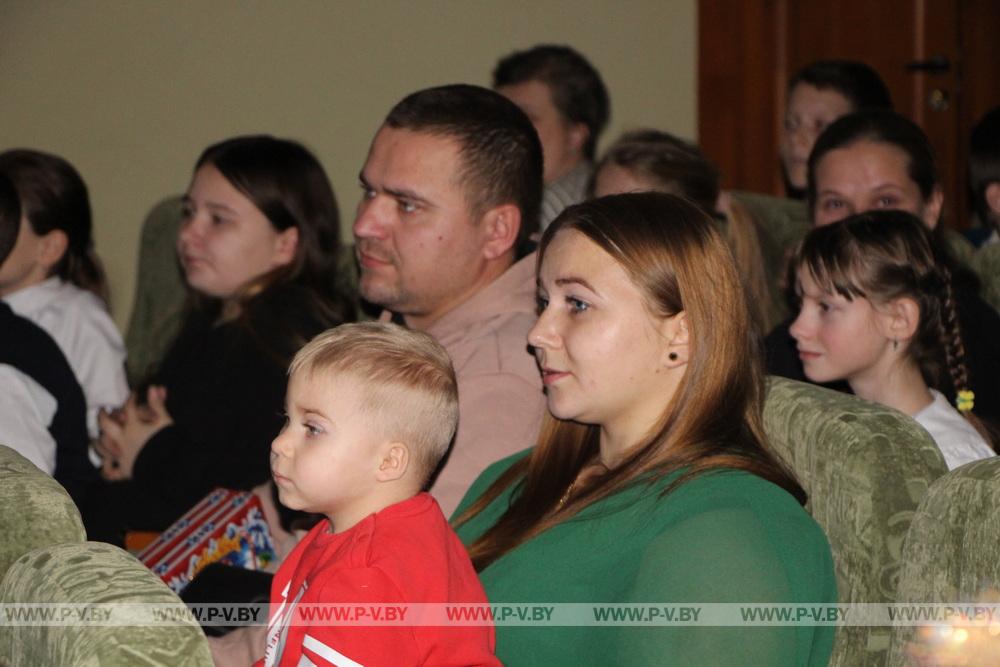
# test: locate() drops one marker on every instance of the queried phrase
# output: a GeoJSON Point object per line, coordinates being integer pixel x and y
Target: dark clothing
{"type": "Point", "coordinates": [980, 334]}
{"type": "Point", "coordinates": [225, 392]}
{"type": "Point", "coordinates": [29, 349]}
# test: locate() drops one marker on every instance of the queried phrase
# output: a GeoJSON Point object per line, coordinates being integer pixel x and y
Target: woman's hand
{"type": "Point", "coordinates": [125, 432]}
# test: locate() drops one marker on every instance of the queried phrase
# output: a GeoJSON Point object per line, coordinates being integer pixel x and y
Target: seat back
{"type": "Point", "coordinates": [865, 468]}
{"type": "Point", "coordinates": [160, 290]}
{"type": "Point", "coordinates": [985, 262]}
{"type": "Point", "coordinates": [35, 511]}
{"type": "Point", "coordinates": [952, 551]}
{"type": "Point", "coordinates": [93, 572]}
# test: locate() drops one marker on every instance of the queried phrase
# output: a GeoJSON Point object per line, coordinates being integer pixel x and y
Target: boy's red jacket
{"type": "Point", "coordinates": [406, 553]}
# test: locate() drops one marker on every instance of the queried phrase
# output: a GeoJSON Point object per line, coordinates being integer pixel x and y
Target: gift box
{"type": "Point", "coordinates": [226, 526]}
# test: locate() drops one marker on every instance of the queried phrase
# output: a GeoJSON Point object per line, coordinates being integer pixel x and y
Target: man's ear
{"type": "Point", "coordinates": [901, 319]}
{"type": "Point", "coordinates": [500, 227]}
{"type": "Point", "coordinates": [678, 337]}
{"type": "Point", "coordinates": [932, 211]}
{"type": "Point", "coordinates": [393, 461]}
{"type": "Point", "coordinates": [53, 248]}
{"type": "Point", "coordinates": [579, 133]}
{"type": "Point", "coordinates": [285, 246]}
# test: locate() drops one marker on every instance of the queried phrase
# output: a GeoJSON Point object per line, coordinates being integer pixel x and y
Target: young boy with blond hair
{"type": "Point", "coordinates": [372, 408]}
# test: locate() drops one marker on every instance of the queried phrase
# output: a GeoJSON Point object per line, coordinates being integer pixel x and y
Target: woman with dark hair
{"type": "Point", "coordinates": [53, 277]}
{"type": "Point", "coordinates": [258, 247]}
{"type": "Point", "coordinates": [817, 95]}
{"type": "Point", "coordinates": [652, 480]}
{"type": "Point", "coordinates": [881, 160]}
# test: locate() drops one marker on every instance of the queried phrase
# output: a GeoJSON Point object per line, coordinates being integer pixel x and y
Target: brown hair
{"type": "Point", "coordinates": [286, 183]}
{"type": "Point", "coordinates": [501, 153]}
{"type": "Point", "coordinates": [673, 165]}
{"type": "Point", "coordinates": [680, 262]}
{"type": "Point", "coordinates": [883, 255]}
{"type": "Point", "coordinates": [575, 85]}
{"type": "Point", "coordinates": [407, 382]}
{"type": "Point", "coordinates": [54, 197]}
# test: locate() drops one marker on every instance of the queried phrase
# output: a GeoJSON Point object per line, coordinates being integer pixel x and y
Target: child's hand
{"type": "Point", "coordinates": [124, 435]}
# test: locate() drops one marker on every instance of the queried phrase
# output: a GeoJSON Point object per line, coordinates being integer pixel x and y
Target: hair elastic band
{"type": "Point", "coordinates": [965, 400]}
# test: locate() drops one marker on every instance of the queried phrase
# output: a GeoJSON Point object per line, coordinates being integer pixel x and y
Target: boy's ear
{"type": "Point", "coordinates": [53, 247]}
{"type": "Point", "coordinates": [393, 462]}
{"type": "Point", "coordinates": [500, 226]}
{"type": "Point", "coordinates": [902, 319]}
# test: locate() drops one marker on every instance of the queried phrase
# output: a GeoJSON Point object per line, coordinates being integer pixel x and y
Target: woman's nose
{"type": "Point", "coordinates": [544, 334]}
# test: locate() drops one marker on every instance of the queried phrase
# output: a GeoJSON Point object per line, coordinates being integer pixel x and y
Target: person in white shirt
{"type": "Point", "coordinates": [877, 310]}
{"type": "Point", "coordinates": [53, 278]}
{"type": "Point", "coordinates": [42, 410]}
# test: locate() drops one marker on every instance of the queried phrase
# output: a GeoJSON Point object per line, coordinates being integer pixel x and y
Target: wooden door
{"type": "Point", "coordinates": [939, 58]}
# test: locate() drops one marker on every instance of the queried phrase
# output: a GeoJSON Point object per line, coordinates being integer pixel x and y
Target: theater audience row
{"type": "Point", "coordinates": [616, 315]}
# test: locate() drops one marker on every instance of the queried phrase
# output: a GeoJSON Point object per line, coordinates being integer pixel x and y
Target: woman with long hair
{"type": "Point", "coordinates": [647, 159]}
{"type": "Point", "coordinates": [652, 481]}
{"type": "Point", "coordinates": [54, 278]}
{"type": "Point", "coordinates": [258, 247]}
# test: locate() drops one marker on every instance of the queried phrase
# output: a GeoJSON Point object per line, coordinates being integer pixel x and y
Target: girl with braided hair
{"type": "Point", "coordinates": [877, 310]}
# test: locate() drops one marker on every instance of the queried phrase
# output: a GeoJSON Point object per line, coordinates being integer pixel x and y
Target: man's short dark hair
{"type": "Point", "coordinates": [577, 89]}
{"type": "Point", "coordinates": [857, 82]}
{"type": "Point", "coordinates": [984, 163]}
{"type": "Point", "coordinates": [10, 216]}
{"type": "Point", "coordinates": [501, 154]}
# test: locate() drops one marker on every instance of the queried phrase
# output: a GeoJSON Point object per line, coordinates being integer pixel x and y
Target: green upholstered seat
{"type": "Point", "coordinates": [782, 224]}
{"type": "Point", "coordinates": [161, 293]}
{"type": "Point", "coordinates": [865, 467]}
{"type": "Point", "coordinates": [985, 262]}
{"type": "Point", "coordinates": [952, 550]}
{"type": "Point", "coordinates": [35, 510]}
{"type": "Point", "coordinates": [93, 572]}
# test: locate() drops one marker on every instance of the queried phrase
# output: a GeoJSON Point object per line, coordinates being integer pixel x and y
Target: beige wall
{"type": "Point", "coordinates": [130, 91]}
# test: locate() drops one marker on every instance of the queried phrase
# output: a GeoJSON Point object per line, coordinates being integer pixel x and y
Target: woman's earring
{"type": "Point", "coordinates": [672, 356]}
{"type": "Point", "coordinates": [895, 344]}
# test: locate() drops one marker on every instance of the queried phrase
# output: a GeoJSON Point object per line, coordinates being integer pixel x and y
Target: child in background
{"type": "Point", "coordinates": [877, 311]}
{"type": "Point", "coordinates": [53, 278]}
{"type": "Point", "coordinates": [42, 411]}
{"type": "Point", "coordinates": [371, 408]}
